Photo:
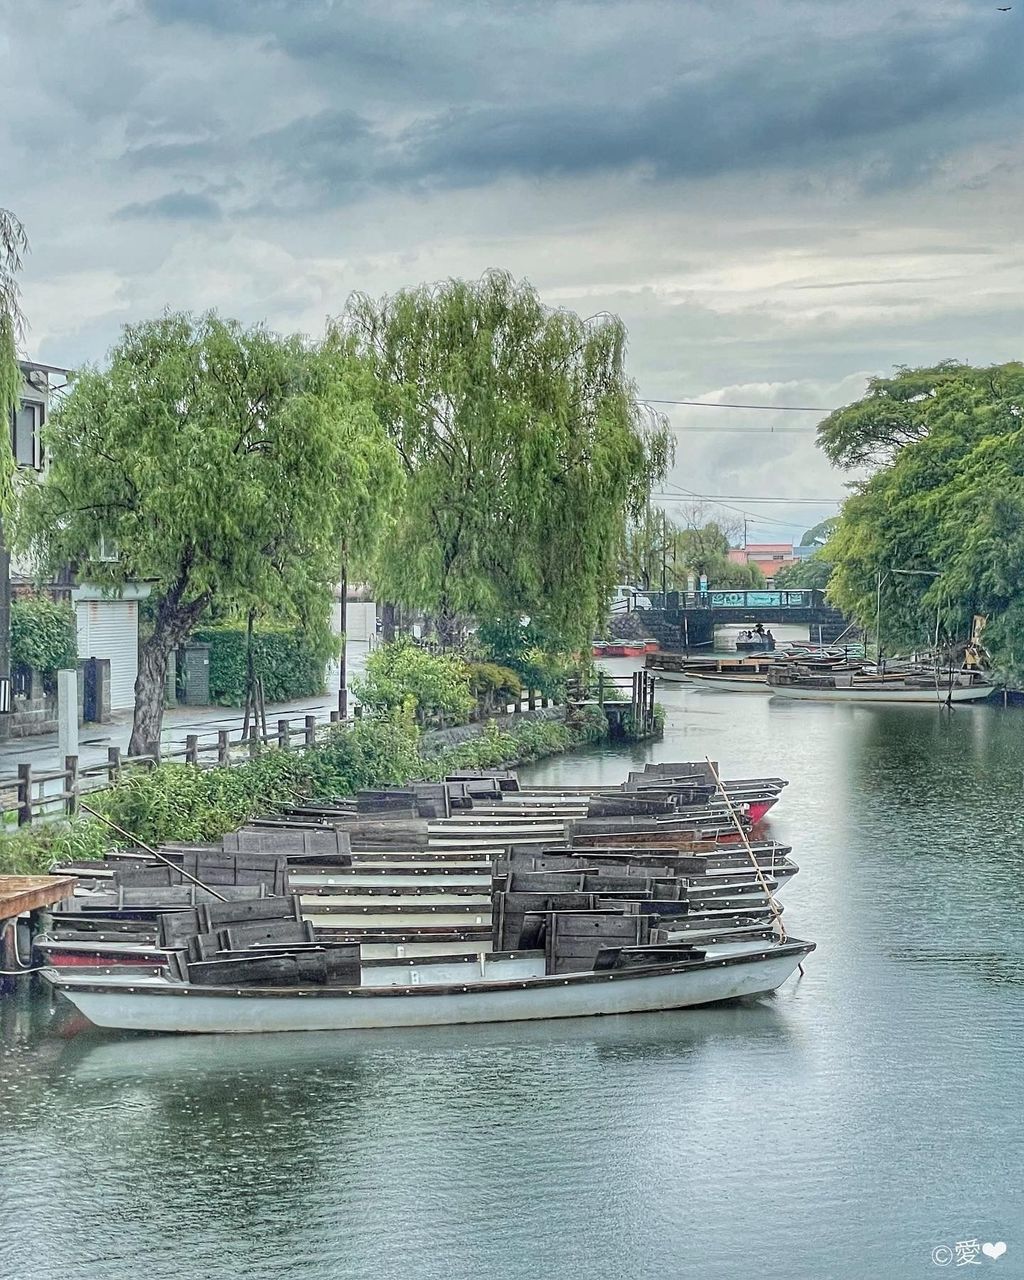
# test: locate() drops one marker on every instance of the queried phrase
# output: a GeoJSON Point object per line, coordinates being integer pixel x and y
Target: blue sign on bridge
{"type": "Point", "coordinates": [754, 599]}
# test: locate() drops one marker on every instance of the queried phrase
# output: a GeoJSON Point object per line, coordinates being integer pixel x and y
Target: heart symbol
{"type": "Point", "coordinates": [994, 1250]}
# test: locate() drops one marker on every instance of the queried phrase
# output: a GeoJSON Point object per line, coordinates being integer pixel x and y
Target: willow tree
{"type": "Point", "coordinates": [523, 448]}
{"type": "Point", "coordinates": [13, 243]}
{"type": "Point", "coordinates": [215, 463]}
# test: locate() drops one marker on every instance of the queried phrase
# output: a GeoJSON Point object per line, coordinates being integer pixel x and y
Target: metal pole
{"type": "Point", "coordinates": [153, 852]}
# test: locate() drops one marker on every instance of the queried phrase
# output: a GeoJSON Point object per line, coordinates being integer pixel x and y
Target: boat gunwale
{"type": "Point", "coordinates": [791, 947]}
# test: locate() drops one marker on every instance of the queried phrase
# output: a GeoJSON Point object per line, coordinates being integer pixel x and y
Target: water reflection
{"type": "Point", "coordinates": [842, 1128]}
{"type": "Point", "coordinates": [204, 1059]}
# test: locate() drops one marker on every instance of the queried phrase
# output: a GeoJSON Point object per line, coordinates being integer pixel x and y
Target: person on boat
{"type": "Point", "coordinates": [770, 640]}
{"type": "Point", "coordinates": [759, 629]}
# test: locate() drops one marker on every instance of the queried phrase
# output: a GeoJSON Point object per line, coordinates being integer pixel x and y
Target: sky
{"type": "Point", "coordinates": [779, 197]}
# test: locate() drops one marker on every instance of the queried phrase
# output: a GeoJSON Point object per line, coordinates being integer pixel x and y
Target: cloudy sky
{"type": "Point", "coordinates": [778, 196]}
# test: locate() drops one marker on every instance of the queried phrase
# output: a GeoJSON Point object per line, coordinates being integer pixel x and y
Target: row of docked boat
{"type": "Point", "coordinates": [623, 648]}
{"type": "Point", "coordinates": [832, 676]}
{"type": "Point", "coordinates": [471, 900]}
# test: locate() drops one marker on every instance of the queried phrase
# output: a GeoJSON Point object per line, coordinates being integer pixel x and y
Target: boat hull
{"type": "Point", "coordinates": [935, 697]}
{"type": "Point", "coordinates": [164, 1007]}
{"type": "Point", "coordinates": [731, 684]}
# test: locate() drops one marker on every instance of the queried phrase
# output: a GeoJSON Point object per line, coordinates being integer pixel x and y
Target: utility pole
{"type": "Point", "coordinates": [664, 557]}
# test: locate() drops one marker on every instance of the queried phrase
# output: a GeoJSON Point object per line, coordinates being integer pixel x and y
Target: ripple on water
{"type": "Point", "coordinates": [842, 1128]}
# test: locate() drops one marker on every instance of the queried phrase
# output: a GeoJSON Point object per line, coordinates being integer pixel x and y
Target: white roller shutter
{"type": "Point", "coordinates": [110, 629]}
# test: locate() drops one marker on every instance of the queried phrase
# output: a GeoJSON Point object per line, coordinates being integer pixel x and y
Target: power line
{"type": "Point", "coordinates": [748, 497]}
{"type": "Point", "coordinates": [752, 431]}
{"type": "Point", "coordinates": [750, 515]}
{"type": "Point", "coordinates": [718, 404]}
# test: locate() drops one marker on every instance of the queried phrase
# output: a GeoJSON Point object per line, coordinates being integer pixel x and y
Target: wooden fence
{"type": "Point", "coordinates": [30, 794]}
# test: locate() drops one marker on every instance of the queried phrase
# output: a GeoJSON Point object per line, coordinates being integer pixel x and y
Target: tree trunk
{"type": "Point", "coordinates": [174, 621]}
{"type": "Point", "coordinates": [449, 632]}
{"type": "Point", "coordinates": [149, 695]}
{"type": "Point", "coordinates": [387, 622]}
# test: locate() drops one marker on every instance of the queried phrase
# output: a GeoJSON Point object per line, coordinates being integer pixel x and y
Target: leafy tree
{"type": "Point", "coordinates": [523, 447]}
{"type": "Point", "coordinates": [646, 534]}
{"type": "Point", "coordinates": [224, 464]}
{"type": "Point", "coordinates": [821, 532]}
{"type": "Point", "coordinates": [813, 573]}
{"type": "Point", "coordinates": [937, 533]}
{"type": "Point", "coordinates": [13, 243]}
{"type": "Point", "coordinates": [900, 410]}
{"type": "Point", "coordinates": [43, 634]}
{"type": "Point", "coordinates": [402, 676]}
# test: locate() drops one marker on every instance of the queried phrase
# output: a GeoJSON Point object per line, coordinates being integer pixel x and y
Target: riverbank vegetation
{"type": "Point", "coordinates": [183, 802]}
{"type": "Point", "coordinates": [935, 535]}
{"type": "Point", "coordinates": [470, 453]}
{"type": "Point", "coordinates": [657, 548]}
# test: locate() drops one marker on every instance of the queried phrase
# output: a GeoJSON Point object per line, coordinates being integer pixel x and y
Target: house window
{"type": "Point", "coordinates": [26, 422]}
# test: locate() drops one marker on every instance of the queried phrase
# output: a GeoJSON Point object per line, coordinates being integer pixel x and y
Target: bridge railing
{"type": "Point", "coordinates": [804, 598]}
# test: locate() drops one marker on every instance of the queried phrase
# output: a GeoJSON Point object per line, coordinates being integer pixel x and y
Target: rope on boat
{"type": "Point", "coordinates": [22, 969]}
{"type": "Point", "coordinates": [773, 906]}
{"type": "Point", "coordinates": [154, 852]}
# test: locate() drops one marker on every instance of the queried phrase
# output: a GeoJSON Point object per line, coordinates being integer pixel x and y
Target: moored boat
{"type": "Point", "coordinates": [809, 682]}
{"type": "Point", "coordinates": [500, 988]}
{"type": "Point", "coordinates": [735, 682]}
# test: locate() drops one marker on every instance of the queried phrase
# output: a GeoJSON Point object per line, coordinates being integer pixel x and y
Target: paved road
{"type": "Point", "coordinates": [94, 740]}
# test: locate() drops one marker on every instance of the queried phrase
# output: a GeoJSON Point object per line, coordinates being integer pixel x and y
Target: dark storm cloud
{"type": "Point", "coordinates": [759, 115]}
{"type": "Point", "coordinates": [177, 206]}
{"type": "Point", "coordinates": [531, 94]}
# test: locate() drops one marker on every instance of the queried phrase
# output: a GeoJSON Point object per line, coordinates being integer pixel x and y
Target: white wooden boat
{"type": "Point", "coordinates": [893, 692]}
{"type": "Point", "coordinates": [733, 683]}
{"type": "Point", "coordinates": [502, 987]}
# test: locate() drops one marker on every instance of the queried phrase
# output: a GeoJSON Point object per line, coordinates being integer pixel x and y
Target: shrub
{"type": "Point", "coordinates": [539, 659]}
{"type": "Point", "coordinates": [493, 686]}
{"type": "Point", "coordinates": [288, 662]}
{"type": "Point", "coordinates": [403, 675]}
{"type": "Point", "coordinates": [43, 634]}
{"type": "Point", "coordinates": [183, 802]}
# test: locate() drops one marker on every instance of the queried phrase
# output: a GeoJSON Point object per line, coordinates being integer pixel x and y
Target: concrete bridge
{"type": "Point", "coordinates": [687, 619]}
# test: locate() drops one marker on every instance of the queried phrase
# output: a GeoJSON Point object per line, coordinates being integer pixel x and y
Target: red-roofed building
{"type": "Point", "coordinates": [770, 557]}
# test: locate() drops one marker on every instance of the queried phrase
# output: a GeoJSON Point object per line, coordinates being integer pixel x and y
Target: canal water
{"type": "Point", "coordinates": [865, 1121]}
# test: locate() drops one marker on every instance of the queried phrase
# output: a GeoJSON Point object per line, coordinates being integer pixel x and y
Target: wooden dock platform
{"type": "Point", "coordinates": [29, 893]}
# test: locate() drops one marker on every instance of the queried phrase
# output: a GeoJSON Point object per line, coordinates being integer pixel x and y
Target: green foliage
{"type": "Point", "coordinates": [222, 463]}
{"type": "Point", "coordinates": [948, 503]}
{"type": "Point", "coordinates": [43, 634]}
{"type": "Point", "coordinates": [536, 654]}
{"type": "Point", "coordinates": [182, 802]}
{"type": "Point", "coordinates": [289, 662]}
{"type": "Point", "coordinates": [737, 577]}
{"type": "Point", "coordinates": [656, 546]}
{"type": "Point", "coordinates": [372, 753]}
{"type": "Point", "coordinates": [493, 686]}
{"type": "Point", "coordinates": [899, 410]}
{"type": "Point", "coordinates": [402, 675]}
{"type": "Point", "coordinates": [523, 445]}
{"type": "Point", "coordinates": [13, 243]}
{"type": "Point", "coordinates": [812, 573]}
{"type": "Point", "coordinates": [33, 850]}
{"type": "Point", "coordinates": [819, 533]}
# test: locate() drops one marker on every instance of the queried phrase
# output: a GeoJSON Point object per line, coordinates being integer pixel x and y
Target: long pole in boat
{"type": "Point", "coordinates": [153, 852]}
{"type": "Point", "coordinates": [773, 906]}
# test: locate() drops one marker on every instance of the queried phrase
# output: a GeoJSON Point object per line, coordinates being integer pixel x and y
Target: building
{"type": "Point", "coordinates": [108, 626]}
{"type": "Point", "coordinates": [770, 557]}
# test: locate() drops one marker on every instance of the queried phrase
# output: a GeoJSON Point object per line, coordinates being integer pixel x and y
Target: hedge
{"type": "Point", "coordinates": [183, 802]}
{"type": "Point", "coordinates": [289, 665]}
{"type": "Point", "coordinates": [44, 634]}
